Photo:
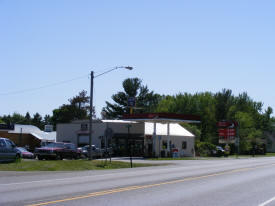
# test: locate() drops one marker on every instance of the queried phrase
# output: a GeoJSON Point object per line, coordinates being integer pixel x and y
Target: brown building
{"type": "Point", "coordinates": [27, 135]}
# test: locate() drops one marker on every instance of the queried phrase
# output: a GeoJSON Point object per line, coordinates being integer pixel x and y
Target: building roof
{"type": "Point", "coordinates": [118, 121]}
{"type": "Point", "coordinates": [162, 117]}
{"type": "Point", "coordinates": [161, 129]}
{"type": "Point", "coordinates": [35, 131]}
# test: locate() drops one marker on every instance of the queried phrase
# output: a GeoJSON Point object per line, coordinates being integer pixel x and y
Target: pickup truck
{"type": "Point", "coordinates": [57, 150]}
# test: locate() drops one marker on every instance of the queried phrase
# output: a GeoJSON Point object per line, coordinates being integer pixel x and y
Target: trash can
{"type": "Point", "coordinates": [175, 153]}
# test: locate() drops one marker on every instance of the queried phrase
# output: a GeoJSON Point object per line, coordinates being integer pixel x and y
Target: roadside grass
{"type": "Point", "coordinates": [68, 165]}
{"type": "Point", "coordinates": [270, 154]}
{"type": "Point", "coordinates": [251, 156]}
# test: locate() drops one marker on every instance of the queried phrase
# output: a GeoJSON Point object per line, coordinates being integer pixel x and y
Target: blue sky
{"type": "Point", "coordinates": [174, 46]}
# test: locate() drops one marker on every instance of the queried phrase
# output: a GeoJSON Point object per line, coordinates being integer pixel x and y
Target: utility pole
{"type": "Point", "coordinates": [91, 115]}
{"type": "Point", "coordinates": [91, 103]}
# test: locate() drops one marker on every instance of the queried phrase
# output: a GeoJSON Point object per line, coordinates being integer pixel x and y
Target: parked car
{"type": "Point", "coordinates": [83, 152]}
{"type": "Point", "coordinates": [218, 152]}
{"type": "Point", "coordinates": [96, 152]}
{"type": "Point", "coordinates": [57, 150]}
{"type": "Point", "coordinates": [25, 153]}
{"type": "Point", "coordinates": [8, 151]}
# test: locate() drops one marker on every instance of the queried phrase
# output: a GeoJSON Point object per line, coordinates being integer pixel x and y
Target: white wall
{"type": "Point", "coordinates": [70, 131]}
{"type": "Point", "coordinates": [177, 141]}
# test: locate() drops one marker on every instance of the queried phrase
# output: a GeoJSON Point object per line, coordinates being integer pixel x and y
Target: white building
{"type": "Point", "coordinates": [121, 135]}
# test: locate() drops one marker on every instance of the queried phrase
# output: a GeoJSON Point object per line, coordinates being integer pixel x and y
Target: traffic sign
{"type": "Point", "coordinates": [131, 102]}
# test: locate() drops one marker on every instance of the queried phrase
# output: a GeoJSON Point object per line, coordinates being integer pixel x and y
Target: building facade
{"type": "Point", "coordinates": [127, 136]}
{"type": "Point", "coordinates": [28, 136]}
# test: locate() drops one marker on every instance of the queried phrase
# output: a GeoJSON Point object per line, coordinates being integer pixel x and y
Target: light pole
{"type": "Point", "coordinates": [91, 102]}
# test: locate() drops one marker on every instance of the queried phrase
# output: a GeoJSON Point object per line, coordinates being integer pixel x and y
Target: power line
{"type": "Point", "coordinates": [44, 86]}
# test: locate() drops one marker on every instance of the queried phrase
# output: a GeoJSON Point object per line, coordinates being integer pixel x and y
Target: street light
{"type": "Point", "coordinates": [91, 102]}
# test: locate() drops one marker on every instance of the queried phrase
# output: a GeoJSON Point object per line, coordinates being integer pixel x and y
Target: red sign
{"type": "Point", "coordinates": [175, 150]}
{"type": "Point", "coordinates": [230, 132]}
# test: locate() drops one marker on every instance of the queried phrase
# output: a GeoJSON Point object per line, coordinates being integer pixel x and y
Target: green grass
{"type": "Point", "coordinates": [67, 165]}
{"type": "Point", "coordinates": [270, 155]}
{"type": "Point", "coordinates": [250, 156]}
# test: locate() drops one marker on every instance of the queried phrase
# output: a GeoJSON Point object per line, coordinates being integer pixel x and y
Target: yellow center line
{"type": "Point", "coordinates": [130, 188]}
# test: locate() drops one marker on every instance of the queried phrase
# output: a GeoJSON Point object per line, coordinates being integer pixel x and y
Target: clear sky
{"type": "Point", "coordinates": [174, 46]}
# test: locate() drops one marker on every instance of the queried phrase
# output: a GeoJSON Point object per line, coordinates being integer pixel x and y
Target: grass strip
{"type": "Point", "coordinates": [68, 165]}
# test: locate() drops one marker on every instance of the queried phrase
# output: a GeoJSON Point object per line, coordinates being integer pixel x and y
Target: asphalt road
{"type": "Point", "coordinates": [190, 182]}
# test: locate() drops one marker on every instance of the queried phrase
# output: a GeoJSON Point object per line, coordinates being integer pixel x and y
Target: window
{"type": "Point", "coordinates": [184, 145]}
{"type": "Point", "coordinates": [2, 143]}
{"type": "Point", "coordinates": [9, 143]}
{"type": "Point", "coordinates": [164, 144]}
{"type": "Point", "coordinates": [70, 146]}
{"type": "Point", "coordinates": [84, 127]}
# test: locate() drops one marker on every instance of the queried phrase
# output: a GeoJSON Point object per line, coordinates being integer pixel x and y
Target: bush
{"type": "Point", "coordinates": [204, 148]}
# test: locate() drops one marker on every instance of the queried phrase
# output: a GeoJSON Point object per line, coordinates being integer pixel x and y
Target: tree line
{"type": "Point", "coordinates": [254, 121]}
{"type": "Point", "coordinates": [77, 108]}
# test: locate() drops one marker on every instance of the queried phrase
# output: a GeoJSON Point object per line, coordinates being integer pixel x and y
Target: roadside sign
{"type": "Point", "coordinates": [227, 132]}
{"type": "Point", "coordinates": [131, 102]}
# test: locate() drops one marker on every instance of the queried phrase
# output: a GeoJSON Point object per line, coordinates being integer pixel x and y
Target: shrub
{"type": "Point", "coordinates": [204, 148]}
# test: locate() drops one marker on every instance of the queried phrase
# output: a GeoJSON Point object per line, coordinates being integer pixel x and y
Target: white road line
{"type": "Point", "coordinates": [267, 202]}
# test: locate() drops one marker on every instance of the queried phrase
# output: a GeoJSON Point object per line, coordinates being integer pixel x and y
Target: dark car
{"type": "Point", "coordinates": [57, 150]}
{"type": "Point", "coordinates": [25, 154]}
{"type": "Point", "coordinates": [83, 152]}
{"type": "Point", "coordinates": [96, 152]}
{"type": "Point", "coordinates": [218, 152]}
{"type": "Point", "coordinates": [8, 151]}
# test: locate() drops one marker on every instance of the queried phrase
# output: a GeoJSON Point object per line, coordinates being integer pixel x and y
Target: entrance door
{"type": "Point", "coordinates": [83, 140]}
